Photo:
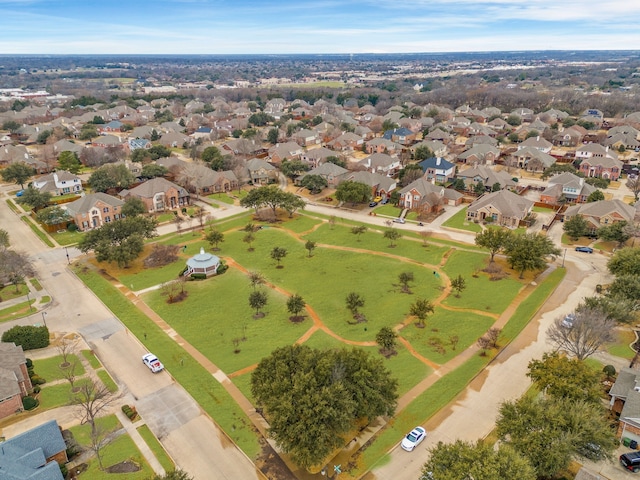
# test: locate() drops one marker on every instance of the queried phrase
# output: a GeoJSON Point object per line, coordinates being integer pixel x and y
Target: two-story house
{"type": "Point", "coordinates": [261, 172]}
{"type": "Point", "coordinates": [381, 163]}
{"type": "Point", "coordinates": [14, 379]}
{"type": "Point", "coordinates": [159, 194]}
{"type": "Point", "coordinates": [437, 169]}
{"type": "Point", "coordinates": [566, 186]}
{"type": "Point", "coordinates": [422, 195]}
{"type": "Point", "coordinates": [94, 210]}
{"type": "Point", "coordinates": [59, 183]}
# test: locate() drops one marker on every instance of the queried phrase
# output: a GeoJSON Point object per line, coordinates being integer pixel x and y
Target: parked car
{"type": "Point", "coordinates": [377, 199]}
{"type": "Point", "coordinates": [413, 439]}
{"type": "Point", "coordinates": [19, 193]}
{"type": "Point", "coordinates": [151, 361]}
{"type": "Point", "coordinates": [631, 461]}
{"type": "Point", "coordinates": [584, 249]}
{"type": "Point", "coordinates": [399, 220]}
{"type": "Point", "coordinates": [567, 321]}
{"type": "Point", "coordinates": [373, 204]}
{"type": "Point", "coordinates": [385, 200]}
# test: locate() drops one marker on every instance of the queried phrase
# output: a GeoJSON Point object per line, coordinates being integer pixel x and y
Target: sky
{"type": "Point", "coordinates": [314, 26]}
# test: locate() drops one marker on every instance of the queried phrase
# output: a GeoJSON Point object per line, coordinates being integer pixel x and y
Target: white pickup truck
{"type": "Point", "coordinates": [151, 361]}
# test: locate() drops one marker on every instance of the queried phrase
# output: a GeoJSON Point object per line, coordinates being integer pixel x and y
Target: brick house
{"type": "Point", "coordinates": [14, 379]}
{"type": "Point", "coordinates": [261, 172]}
{"type": "Point", "coordinates": [573, 188]}
{"type": "Point", "coordinates": [602, 167]}
{"type": "Point", "coordinates": [502, 207]}
{"type": "Point", "coordinates": [159, 194]}
{"type": "Point", "coordinates": [601, 213]}
{"type": "Point", "coordinates": [94, 210]}
{"type": "Point", "coordinates": [35, 454]}
{"type": "Point", "coordinates": [422, 195]}
{"type": "Point", "coordinates": [625, 401]}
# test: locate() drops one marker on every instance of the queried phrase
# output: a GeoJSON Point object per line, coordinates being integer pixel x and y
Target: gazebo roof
{"type": "Point", "coordinates": [203, 260]}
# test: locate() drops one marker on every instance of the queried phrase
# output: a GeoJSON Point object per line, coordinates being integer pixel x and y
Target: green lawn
{"type": "Point", "coordinates": [622, 347]}
{"type": "Point", "coordinates": [91, 358]}
{"type": "Point", "coordinates": [459, 221]}
{"type": "Point", "coordinates": [52, 396]}
{"type": "Point", "coordinates": [17, 311]}
{"type": "Point", "coordinates": [13, 291]}
{"type": "Point", "coordinates": [107, 380]}
{"type": "Point", "coordinates": [156, 447]}
{"type": "Point", "coordinates": [67, 237]}
{"type": "Point", "coordinates": [222, 197]}
{"type": "Point", "coordinates": [389, 210]}
{"type": "Point", "coordinates": [50, 370]}
{"type": "Point", "coordinates": [120, 449]}
{"type": "Point", "coordinates": [35, 283]}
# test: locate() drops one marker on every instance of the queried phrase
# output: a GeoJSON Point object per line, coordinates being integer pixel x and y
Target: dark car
{"type": "Point", "coordinates": [631, 461]}
{"type": "Point", "coordinates": [584, 249]}
{"type": "Point", "coordinates": [385, 201]}
{"type": "Point", "coordinates": [373, 204]}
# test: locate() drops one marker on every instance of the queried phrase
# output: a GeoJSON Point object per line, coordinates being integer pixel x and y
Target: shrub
{"type": "Point", "coordinates": [28, 336]}
{"type": "Point", "coordinates": [72, 227]}
{"type": "Point", "coordinates": [29, 403]}
{"type": "Point", "coordinates": [37, 380]}
{"type": "Point", "coordinates": [130, 412]}
{"type": "Point", "coordinates": [609, 370]}
{"type": "Point", "coordinates": [36, 389]}
{"type": "Point", "coordinates": [63, 470]}
{"type": "Point", "coordinates": [223, 267]}
{"type": "Point", "coordinates": [199, 276]}
{"type": "Point", "coordinates": [29, 363]}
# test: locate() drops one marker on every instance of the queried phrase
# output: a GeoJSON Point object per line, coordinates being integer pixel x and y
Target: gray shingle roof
{"type": "Point", "coordinates": [86, 203]}
{"type": "Point", "coordinates": [507, 203]}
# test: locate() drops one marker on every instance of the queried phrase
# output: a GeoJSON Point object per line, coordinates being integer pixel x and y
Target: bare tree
{"type": "Point", "coordinates": [99, 438]}
{"type": "Point", "coordinates": [178, 220]}
{"type": "Point", "coordinates": [255, 279]}
{"type": "Point", "coordinates": [93, 399]}
{"type": "Point", "coordinates": [583, 334]}
{"type": "Point", "coordinates": [65, 348]}
{"type": "Point", "coordinates": [173, 290]}
{"type": "Point", "coordinates": [15, 266]}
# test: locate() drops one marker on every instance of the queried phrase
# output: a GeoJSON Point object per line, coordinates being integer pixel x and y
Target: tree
{"type": "Point", "coordinates": [358, 230]}
{"type": "Point", "coordinates": [133, 206]}
{"type": "Point", "coordinates": [422, 152]}
{"type": "Point", "coordinates": [404, 278]}
{"type": "Point", "coordinates": [479, 188]}
{"type": "Point", "coordinates": [410, 173]}
{"type": "Point", "coordinates": [314, 183]}
{"type": "Point", "coordinates": [88, 131]}
{"type": "Point", "coordinates": [213, 157]}
{"type": "Point", "coordinates": [29, 337]}
{"type": "Point", "coordinates": [625, 286]}
{"type": "Point", "coordinates": [336, 161]}
{"type": "Point", "coordinates": [249, 238]}
{"type": "Point", "coordinates": [392, 235]}
{"type": "Point", "coordinates": [272, 136]}
{"type": "Point", "coordinates": [354, 301]}
{"type": "Point", "coordinates": [153, 170]}
{"type": "Point", "coordinates": [625, 261]}
{"type": "Point", "coordinates": [616, 232]}
{"type": "Point", "coordinates": [35, 198]}
{"type": "Point", "coordinates": [11, 125]}
{"type": "Point", "coordinates": [562, 377]}
{"type": "Point", "coordinates": [214, 237]}
{"type": "Point", "coordinates": [576, 227]}
{"type": "Point", "coordinates": [17, 173]}
{"type": "Point", "coordinates": [557, 168]}
{"type": "Point", "coordinates": [15, 266]}
{"type": "Point", "coordinates": [353, 192]}
{"type": "Point", "coordinates": [70, 162]}
{"type": "Point", "coordinates": [458, 284]}
{"type": "Point", "coordinates": [54, 215]}
{"type": "Point", "coordinates": [121, 241]}
{"type": "Point", "coordinates": [463, 460]}
{"type": "Point", "coordinates": [529, 251]}
{"type": "Point", "coordinates": [255, 279]}
{"type": "Point", "coordinates": [514, 120]}
{"type": "Point", "coordinates": [295, 305]}
{"type": "Point", "coordinates": [386, 339]}
{"type": "Point", "coordinates": [595, 196]}
{"type": "Point", "coordinates": [4, 239]}
{"type": "Point", "coordinates": [590, 330]}
{"type": "Point", "coordinates": [110, 176]}
{"type": "Point", "coordinates": [310, 245]}
{"type": "Point", "coordinates": [551, 431]}
{"type": "Point", "coordinates": [633, 184]}
{"type": "Point", "coordinates": [293, 168]}
{"type": "Point", "coordinates": [257, 300]}
{"type": "Point", "coordinates": [290, 202]}
{"type": "Point", "coordinates": [420, 309]}
{"type": "Point", "coordinates": [278, 253]}
{"type": "Point", "coordinates": [178, 220]}
{"type": "Point", "coordinates": [313, 398]}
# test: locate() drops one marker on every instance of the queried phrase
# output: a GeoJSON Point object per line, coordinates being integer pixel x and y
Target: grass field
{"type": "Point", "coordinates": [50, 368]}
{"type": "Point", "coordinates": [459, 221]}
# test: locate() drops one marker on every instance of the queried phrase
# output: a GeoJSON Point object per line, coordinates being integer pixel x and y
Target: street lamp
{"type": "Point", "coordinates": [67, 252]}
{"type": "Point", "coordinates": [29, 302]}
{"type": "Point", "coordinates": [44, 319]}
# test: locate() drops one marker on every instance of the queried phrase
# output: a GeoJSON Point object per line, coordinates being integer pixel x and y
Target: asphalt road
{"type": "Point", "coordinates": [189, 436]}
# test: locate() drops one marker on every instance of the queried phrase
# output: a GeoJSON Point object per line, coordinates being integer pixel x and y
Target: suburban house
{"type": "Point", "coordinates": [480, 154]}
{"type": "Point", "coordinates": [488, 177]}
{"type": "Point", "coordinates": [331, 172]}
{"type": "Point", "coordinates": [159, 194]}
{"type": "Point", "coordinates": [346, 142]}
{"type": "Point", "coordinates": [202, 132]}
{"type": "Point", "coordinates": [174, 139]}
{"type": "Point", "coordinates": [58, 183]}
{"type": "Point", "coordinates": [382, 145]}
{"type": "Point", "coordinates": [625, 401]}
{"type": "Point", "coordinates": [139, 143]}
{"type": "Point", "coordinates": [568, 186]}
{"type": "Point", "coordinates": [569, 137]}
{"type": "Point", "coordinates": [502, 208]}
{"type": "Point", "coordinates": [113, 126]}
{"type": "Point", "coordinates": [106, 141]}
{"type": "Point", "coordinates": [381, 163]}
{"type": "Point", "coordinates": [532, 159]}
{"type": "Point", "coordinates": [591, 150]}
{"type": "Point", "coordinates": [14, 379]}
{"type": "Point", "coordinates": [402, 135]}
{"type": "Point", "coordinates": [285, 151]}
{"type": "Point", "coordinates": [306, 137]}
{"type": "Point", "coordinates": [94, 210]}
{"type": "Point", "coordinates": [603, 167]}
{"type": "Point", "coordinates": [426, 197]}
{"type": "Point", "coordinates": [261, 172]}
{"type": "Point", "coordinates": [439, 149]}
{"type": "Point", "coordinates": [381, 185]}
{"type": "Point", "coordinates": [35, 454]}
{"type": "Point", "coordinates": [601, 213]}
{"type": "Point", "coordinates": [316, 156]}
{"type": "Point", "coordinates": [65, 145]}
{"type": "Point", "coordinates": [538, 143]}
{"type": "Point", "coordinates": [437, 169]}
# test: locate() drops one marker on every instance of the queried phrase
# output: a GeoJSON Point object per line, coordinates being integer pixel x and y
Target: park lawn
{"type": "Point", "coordinates": [209, 394]}
{"type": "Point", "coordinates": [440, 394]}
{"type": "Point", "coordinates": [212, 323]}
{"type": "Point", "coordinates": [459, 221]}
{"type": "Point", "coordinates": [301, 223]}
{"type": "Point", "coordinates": [328, 276]}
{"type": "Point", "coordinates": [479, 287]}
{"type": "Point", "coordinates": [530, 305]}
{"type": "Point", "coordinates": [621, 348]}
{"type": "Point", "coordinates": [434, 341]}
{"type": "Point", "coordinates": [374, 241]}
{"type": "Point", "coordinates": [49, 368]}
{"type": "Point", "coordinates": [156, 447]}
{"type": "Point", "coordinates": [13, 291]}
{"type": "Point", "coordinates": [14, 312]}
{"type": "Point", "coordinates": [66, 237]}
{"type": "Point", "coordinates": [118, 450]}
{"type": "Point", "coordinates": [243, 382]}
{"type": "Point", "coordinates": [91, 358]}
{"type": "Point", "coordinates": [104, 376]}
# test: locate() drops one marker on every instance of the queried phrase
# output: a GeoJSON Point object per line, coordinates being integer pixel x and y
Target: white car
{"type": "Point", "coordinates": [413, 439]}
{"type": "Point", "coordinates": [151, 361]}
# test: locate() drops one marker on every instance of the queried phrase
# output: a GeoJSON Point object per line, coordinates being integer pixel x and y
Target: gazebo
{"type": "Point", "coordinates": [203, 263]}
